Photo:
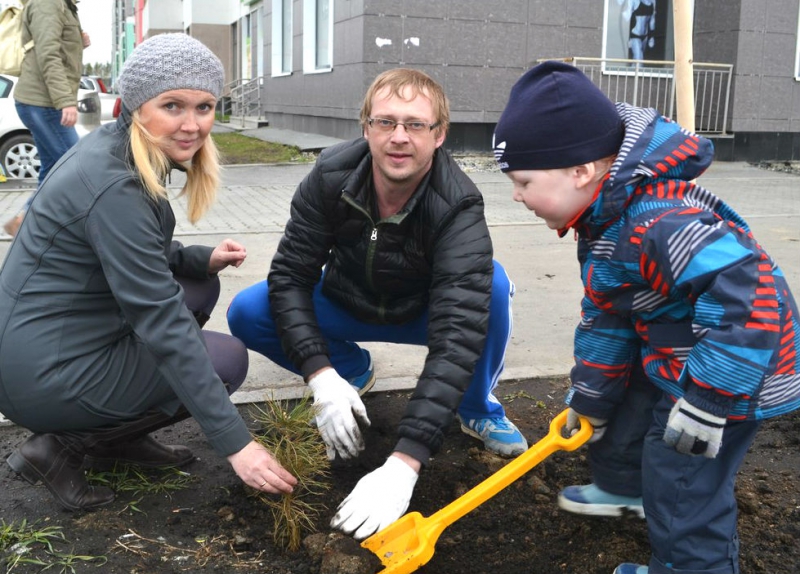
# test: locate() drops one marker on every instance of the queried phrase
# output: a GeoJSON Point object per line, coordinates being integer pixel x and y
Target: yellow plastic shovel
{"type": "Point", "coordinates": [409, 542]}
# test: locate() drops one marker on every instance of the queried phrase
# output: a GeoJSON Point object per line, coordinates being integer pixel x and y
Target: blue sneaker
{"type": "Point", "coordinates": [498, 434]}
{"type": "Point", "coordinates": [366, 380]}
{"type": "Point", "coordinates": [629, 568]}
{"type": "Point", "coordinates": [590, 500]}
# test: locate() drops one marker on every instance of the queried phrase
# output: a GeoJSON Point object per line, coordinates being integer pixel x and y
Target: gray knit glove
{"type": "Point", "coordinates": [694, 431]}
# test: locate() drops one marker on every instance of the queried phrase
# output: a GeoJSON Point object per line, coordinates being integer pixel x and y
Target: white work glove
{"type": "Point", "coordinates": [338, 406]}
{"type": "Point", "coordinates": [694, 431]}
{"type": "Point", "coordinates": [574, 424]}
{"type": "Point", "coordinates": [379, 498]}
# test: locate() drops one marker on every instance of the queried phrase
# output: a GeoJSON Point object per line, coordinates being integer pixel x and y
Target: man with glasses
{"type": "Point", "coordinates": [387, 241]}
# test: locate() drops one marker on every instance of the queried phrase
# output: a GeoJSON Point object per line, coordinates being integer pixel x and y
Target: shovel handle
{"type": "Point", "coordinates": [479, 494]}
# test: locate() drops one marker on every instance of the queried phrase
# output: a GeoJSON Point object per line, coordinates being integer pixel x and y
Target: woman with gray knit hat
{"type": "Point", "coordinates": [101, 311]}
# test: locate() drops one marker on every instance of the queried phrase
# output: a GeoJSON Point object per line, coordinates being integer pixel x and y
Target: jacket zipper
{"type": "Point", "coordinates": [372, 248]}
{"type": "Point", "coordinates": [373, 239]}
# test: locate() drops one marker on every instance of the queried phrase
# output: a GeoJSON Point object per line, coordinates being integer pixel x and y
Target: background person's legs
{"type": "Point", "coordinates": [52, 141]}
{"type": "Point", "coordinates": [51, 138]}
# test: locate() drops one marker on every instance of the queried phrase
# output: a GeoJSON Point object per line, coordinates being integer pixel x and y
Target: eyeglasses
{"type": "Point", "coordinates": [412, 127]}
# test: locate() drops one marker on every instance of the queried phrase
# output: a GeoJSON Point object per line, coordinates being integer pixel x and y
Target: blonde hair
{"type": "Point", "coordinates": [153, 165]}
{"type": "Point", "coordinates": [396, 81]}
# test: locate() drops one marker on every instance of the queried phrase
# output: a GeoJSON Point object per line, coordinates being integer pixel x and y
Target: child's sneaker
{"type": "Point", "coordinates": [366, 380]}
{"type": "Point", "coordinates": [629, 568]}
{"type": "Point", "coordinates": [498, 434]}
{"type": "Point", "coordinates": [589, 499]}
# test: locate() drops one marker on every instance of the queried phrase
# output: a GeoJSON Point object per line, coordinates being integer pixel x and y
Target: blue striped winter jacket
{"type": "Point", "coordinates": [673, 274]}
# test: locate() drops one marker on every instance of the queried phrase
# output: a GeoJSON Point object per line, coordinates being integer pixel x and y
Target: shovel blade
{"type": "Point", "coordinates": [404, 545]}
{"type": "Point", "coordinates": [409, 542]}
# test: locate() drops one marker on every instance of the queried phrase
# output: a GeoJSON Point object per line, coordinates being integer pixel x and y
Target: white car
{"type": "Point", "coordinates": [110, 104]}
{"type": "Point", "coordinates": [18, 155]}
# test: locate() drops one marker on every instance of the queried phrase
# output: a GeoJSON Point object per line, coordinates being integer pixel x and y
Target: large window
{"type": "Point", "coordinates": [317, 35]}
{"type": "Point", "coordinates": [252, 41]}
{"type": "Point", "coordinates": [281, 37]}
{"type": "Point", "coordinates": [638, 30]}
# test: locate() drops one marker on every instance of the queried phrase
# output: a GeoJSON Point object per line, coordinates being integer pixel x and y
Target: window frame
{"type": "Point", "coordinates": [310, 37]}
{"type": "Point", "coordinates": [280, 22]}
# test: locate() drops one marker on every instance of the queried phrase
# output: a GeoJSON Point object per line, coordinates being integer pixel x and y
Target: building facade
{"type": "Point", "coordinates": [324, 53]}
{"type": "Point", "coordinates": [312, 60]}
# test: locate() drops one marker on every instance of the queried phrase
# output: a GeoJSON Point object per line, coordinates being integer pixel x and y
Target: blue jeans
{"type": "Point", "coordinates": [51, 138]}
{"type": "Point", "coordinates": [250, 320]}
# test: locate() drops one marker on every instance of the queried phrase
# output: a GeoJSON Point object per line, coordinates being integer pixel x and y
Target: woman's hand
{"type": "Point", "coordinates": [229, 252]}
{"type": "Point", "coordinates": [259, 469]}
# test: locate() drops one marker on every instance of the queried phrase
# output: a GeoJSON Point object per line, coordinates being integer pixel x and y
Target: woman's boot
{"type": "Point", "coordinates": [128, 443]}
{"type": "Point", "coordinates": [56, 462]}
{"type": "Point", "coordinates": [145, 452]}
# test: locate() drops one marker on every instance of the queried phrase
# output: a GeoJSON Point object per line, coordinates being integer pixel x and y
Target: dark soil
{"type": "Point", "coordinates": [215, 526]}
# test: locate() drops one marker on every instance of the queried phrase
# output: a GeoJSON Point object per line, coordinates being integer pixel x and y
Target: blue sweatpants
{"type": "Point", "coordinates": [688, 500]}
{"type": "Point", "coordinates": [250, 320]}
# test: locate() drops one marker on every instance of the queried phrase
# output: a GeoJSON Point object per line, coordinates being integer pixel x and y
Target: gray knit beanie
{"type": "Point", "coordinates": [169, 62]}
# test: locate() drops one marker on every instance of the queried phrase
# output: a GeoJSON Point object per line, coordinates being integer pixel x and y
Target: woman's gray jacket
{"type": "Point", "coordinates": [93, 326]}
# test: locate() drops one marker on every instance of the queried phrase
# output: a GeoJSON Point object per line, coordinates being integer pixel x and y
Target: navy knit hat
{"type": "Point", "coordinates": [169, 62]}
{"type": "Point", "coordinates": [556, 117]}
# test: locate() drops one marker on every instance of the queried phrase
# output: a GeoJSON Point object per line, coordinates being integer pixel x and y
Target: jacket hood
{"type": "Point", "coordinates": [654, 148]}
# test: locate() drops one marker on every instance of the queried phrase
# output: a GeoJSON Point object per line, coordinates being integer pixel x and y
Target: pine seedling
{"type": "Point", "coordinates": [288, 433]}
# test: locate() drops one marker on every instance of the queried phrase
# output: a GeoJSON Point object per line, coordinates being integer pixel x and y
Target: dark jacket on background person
{"type": "Point", "coordinates": [92, 322]}
{"type": "Point", "coordinates": [51, 70]}
{"type": "Point", "coordinates": [434, 256]}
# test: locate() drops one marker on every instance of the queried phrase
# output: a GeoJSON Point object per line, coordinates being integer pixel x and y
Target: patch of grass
{"type": "Point", "coordinates": [207, 549]}
{"type": "Point", "coordinates": [134, 480]}
{"type": "Point", "coordinates": [235, 148]}
{"type": "Point", "coordinates": [23, 544]}
{"type": "Point", "coordinates": [288, 434]}
{"type": "Point", "coordinates": [523, 395]}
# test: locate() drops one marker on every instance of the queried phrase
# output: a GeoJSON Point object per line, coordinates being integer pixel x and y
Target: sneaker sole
{"type": "Point", "coordinates": [367, 386]}
{"type": "Point", "coordinates": [615, 510]}
{"type": "Point", "coordinates": [469, 432]}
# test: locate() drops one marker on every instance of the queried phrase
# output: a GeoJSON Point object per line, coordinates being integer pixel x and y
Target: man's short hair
{"type": "Point", "coordinates": [396, 80]}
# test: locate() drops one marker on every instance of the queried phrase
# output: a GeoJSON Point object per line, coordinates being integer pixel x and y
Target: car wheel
{"type": "Point", "coordinates": [20, 157]}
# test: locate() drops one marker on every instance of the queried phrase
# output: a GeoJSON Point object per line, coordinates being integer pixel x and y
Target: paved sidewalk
{"type": "Point", "coordinates": [253, 206]}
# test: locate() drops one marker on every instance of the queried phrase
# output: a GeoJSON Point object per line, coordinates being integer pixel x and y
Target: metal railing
{"type": "Point", "coordinates": [651, 84]}
{"type": "Point", "coordinates": [244, 100]}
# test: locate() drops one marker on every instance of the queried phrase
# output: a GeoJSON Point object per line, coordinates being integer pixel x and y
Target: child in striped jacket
{"type": "Point", "coordinates": [689, 333]}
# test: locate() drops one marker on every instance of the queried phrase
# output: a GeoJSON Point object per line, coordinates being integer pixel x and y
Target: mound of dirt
{"type": "Point", "coordinates": [215, 526]}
